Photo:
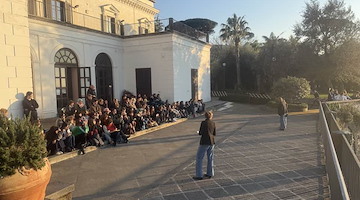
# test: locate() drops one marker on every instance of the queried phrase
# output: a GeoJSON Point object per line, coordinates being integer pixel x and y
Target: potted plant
{"type": "Point", "coordinates": [24, 169]}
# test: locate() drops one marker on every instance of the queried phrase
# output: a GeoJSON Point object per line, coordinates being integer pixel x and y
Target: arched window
{"type": "Point", "coordinates": [65, 56]}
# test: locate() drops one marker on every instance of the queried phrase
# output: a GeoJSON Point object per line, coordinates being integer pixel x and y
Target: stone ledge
{"type": "Point", "coordinates": [63, 194]}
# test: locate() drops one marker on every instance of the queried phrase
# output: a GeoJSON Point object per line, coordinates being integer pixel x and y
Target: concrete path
{"type": "Point", "coordinates": [254, 160]}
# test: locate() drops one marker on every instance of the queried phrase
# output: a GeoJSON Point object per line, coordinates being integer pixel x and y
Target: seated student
{"type": "Point", "coordinates": [70, 108]}
{"type": "Point", "coordinates": [182, 110]}
{"type": "Point", "coordinates": [116, 118]}
{"type": "Point", "coordinates": [80, 131]}
{"type": "Point", "coordinates": [100, 130]}
{"type": "Point", "coordinates": [201, 106]}
{"type": "Point", "coordinates": [116, 134]}
{"type": "Point", "coordinates": [80, 108]}
{"type": "Point", "coordinates": [67, 137]}
{"type": "Point", "coordinates": [53, 145]}
{"type": "Point", "coordinates": [94, 136]}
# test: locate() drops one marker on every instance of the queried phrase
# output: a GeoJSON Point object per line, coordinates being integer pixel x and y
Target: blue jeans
{"type": "Point", "coordinates": [283, 121]}
{"type": "Point", "coordinates": [209, 149]}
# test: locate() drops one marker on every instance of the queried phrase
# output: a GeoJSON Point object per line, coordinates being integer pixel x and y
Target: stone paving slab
{"type": "Point", "coordinates": [258, 162]}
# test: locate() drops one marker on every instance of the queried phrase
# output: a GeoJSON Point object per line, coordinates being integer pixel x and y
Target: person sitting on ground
{"type": "Point", "coordinates": [94, 136]}
{"type": "Point", "coordinates": [80, 131]}
{"type": "Point", "coordinates": [115, 134]}
{"type": "Point", "coordinates": [331, 95]}
{"type": "Point", "coordinates": [67, 137]}
{"type": "Point", "coordinates": [80, 107]}
{"type": "Point", "coordinates": [70, 108]}
{"type": "Point", "coordinates": [52, 141]}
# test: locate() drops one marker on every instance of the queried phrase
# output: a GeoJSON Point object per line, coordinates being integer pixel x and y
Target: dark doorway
{"type": "Point", "coordinates": [143, 81]}
{"type": "Point", "coordinates": [104, 77]}
{"type": "Point", "coordinates": [194, 84]}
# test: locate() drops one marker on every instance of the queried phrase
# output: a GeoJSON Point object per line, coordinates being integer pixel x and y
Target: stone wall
{"type": "Point", "coordinates": [15, 59]}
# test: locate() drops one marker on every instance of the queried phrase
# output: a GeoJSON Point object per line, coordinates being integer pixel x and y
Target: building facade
{"type": "Point", "coordinates": [58, 48]}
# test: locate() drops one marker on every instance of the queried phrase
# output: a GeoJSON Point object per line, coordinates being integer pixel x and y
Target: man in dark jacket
{"type": "Point", "coordinates": [207, 143]}
{"type": "Point", "coordinates": [30, 105]}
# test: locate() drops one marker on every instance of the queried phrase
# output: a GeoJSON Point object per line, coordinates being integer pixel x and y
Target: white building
{"type": "Point", "coordinates": [57, 48]}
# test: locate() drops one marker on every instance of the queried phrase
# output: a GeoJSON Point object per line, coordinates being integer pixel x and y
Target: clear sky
{"type": "Point", "coordinates": [263, 16]}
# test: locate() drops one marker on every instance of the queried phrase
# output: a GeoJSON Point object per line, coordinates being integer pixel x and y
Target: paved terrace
{"type": "Point", "coordinates": [253, 160]}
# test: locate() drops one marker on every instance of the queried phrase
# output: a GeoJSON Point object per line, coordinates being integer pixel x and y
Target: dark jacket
{"type": "Point", "coordinates": [207, 132]}
{"type": "Point", "coordinates": [282, 108]}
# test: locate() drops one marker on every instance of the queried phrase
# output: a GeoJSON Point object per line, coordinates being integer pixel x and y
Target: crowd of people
{"type": "Point", "coordinates": [335, 95]}
{"type": "Point", "coordinates": [98, 122]}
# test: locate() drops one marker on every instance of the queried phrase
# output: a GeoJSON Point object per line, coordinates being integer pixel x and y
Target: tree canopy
{"type": "Point", "coordinates": [327, 27]}
{"type": "Point", "coordinates": [203, 25]}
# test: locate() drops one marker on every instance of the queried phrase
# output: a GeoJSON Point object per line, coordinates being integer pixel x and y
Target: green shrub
{"type": "Point", "coordinates": [272, 104]}
{"type": "Point", "coordinates": [21, 145]}
{"type": "Point", "coordinates": [297, 107]}
{"type": "Point", "coordinates": [292, 89]}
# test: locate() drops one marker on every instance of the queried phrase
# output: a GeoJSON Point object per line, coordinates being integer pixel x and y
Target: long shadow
{"type": "Point", "coordinates": [142, 190]}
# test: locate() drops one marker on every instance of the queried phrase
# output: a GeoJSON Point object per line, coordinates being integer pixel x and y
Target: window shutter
{"type": "Point", "coordinates": [68, 12]}
{"type": "Point", "coordinates": [48, 8]}
{"type": "Point", "coordinates": [102, 17]}
{"type": "Point", "coordinates": [31, 7]}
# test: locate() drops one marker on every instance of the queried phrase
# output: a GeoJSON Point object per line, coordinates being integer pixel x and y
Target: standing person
{"type": "Point", "coordinates": [30, 105]}
{"type": "Point", "coordinates": [283, 113]}
{"type": "Point", "coordinates": [91, 91]}
{"type": "Point", "coordinates": [207, 143]}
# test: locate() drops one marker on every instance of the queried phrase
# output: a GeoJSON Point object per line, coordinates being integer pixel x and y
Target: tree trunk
{"type": "Point", "coordinates": [237, 60]}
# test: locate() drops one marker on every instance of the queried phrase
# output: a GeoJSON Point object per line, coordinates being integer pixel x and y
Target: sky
{"type": "Point", "coordinates": [263, 16]}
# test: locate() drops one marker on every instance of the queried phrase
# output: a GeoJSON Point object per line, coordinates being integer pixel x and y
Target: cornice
{"type": "Point", "coordinates": [141, 6]}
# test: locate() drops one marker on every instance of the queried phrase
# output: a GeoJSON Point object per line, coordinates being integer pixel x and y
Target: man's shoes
{"type": "Point", "coordinates": [207, 176]}
{"type": "Point", "coordinates": [197, 178]}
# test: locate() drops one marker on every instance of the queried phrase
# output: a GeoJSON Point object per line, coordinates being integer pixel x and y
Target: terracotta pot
{"type": "Point", "coordinates": [26, 184]}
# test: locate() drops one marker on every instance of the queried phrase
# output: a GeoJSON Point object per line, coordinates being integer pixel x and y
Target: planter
{"type": "Point", "coordinates": [26, 184]}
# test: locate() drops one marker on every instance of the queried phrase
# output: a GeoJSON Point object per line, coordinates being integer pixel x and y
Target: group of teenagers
{"type": "Point", "coordinates": [95, 122]}
{"type": "Point", "coordinates": [335, 95]}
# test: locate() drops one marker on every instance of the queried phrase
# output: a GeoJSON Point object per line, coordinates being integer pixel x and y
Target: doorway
{"type": "Point", "coordinates": [143, 81]}
{"type": "Point", "coordinates": [104, 77]}
{"type": "Point", "coordinates": [66, 76]}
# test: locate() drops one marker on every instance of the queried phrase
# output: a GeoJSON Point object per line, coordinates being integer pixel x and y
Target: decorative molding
{"type": "Point", "coordinates": [141, 6]}
{"type": "Point", "coordinates": [110, 8]}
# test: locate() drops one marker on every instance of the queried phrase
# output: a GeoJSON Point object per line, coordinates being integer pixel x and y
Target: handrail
{"type": "Point", "coordinates": [338, 187]}
{"type": "Point", "coordinates": [348, 160]}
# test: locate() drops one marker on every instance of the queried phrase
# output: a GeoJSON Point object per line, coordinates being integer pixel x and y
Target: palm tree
{"type": "Point", "coordinates": [234, 31]}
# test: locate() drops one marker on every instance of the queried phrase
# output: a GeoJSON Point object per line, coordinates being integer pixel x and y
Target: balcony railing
{"type": "Point", "coordinates": [342, 164]}
{"type": "Point", "coordinates": [63, 12]}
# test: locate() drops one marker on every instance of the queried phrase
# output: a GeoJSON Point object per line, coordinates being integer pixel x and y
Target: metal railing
{"type": "Point", "coordinates": [337, 184]}
{"type": "Point", "coordinates": [67, 14]}
{"type": "Point", "coordinates": [347, 158]}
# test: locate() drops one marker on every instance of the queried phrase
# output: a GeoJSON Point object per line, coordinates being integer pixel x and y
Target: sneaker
{"type": "Point", "coordinates": [59, 153]}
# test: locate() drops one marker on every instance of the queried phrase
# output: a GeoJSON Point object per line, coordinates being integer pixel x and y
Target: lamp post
{"type": "Point", "coordinates": [223, 66]}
